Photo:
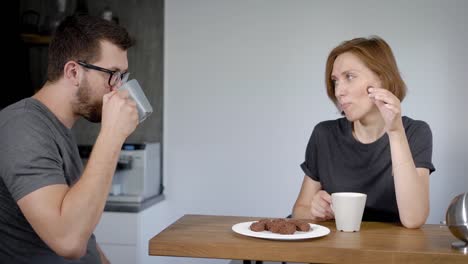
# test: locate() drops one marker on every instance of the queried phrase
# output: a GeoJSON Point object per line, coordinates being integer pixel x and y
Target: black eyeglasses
{"type": "Point", "coordinates": [115, 76]}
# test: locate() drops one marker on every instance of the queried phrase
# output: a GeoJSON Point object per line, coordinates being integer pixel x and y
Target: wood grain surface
{"type": "Point", "coordinates": [208, 236]}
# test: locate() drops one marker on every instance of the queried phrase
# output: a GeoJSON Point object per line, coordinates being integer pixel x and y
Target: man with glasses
{"type": "Point", "coordinates": [115, 77]}
{"type": "Point", "coordinates": [49, 203]}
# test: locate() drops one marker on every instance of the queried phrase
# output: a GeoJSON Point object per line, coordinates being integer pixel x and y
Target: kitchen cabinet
{"type": "Point", "coordinates": [124, 236]}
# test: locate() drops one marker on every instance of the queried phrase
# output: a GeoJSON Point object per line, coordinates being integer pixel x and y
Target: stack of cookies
{"type": "Point", "coordinates": [281, 226]}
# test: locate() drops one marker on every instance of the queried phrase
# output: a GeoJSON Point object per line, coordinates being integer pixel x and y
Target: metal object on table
{"type": "Point", "coordinates": [457, 221]}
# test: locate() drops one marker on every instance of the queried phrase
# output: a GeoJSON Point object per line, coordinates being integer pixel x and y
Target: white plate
{"type": "Point", "coordinates": [316, 231]}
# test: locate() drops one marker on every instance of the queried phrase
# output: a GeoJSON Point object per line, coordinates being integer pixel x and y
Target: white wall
{"type": "Point", "coordinates": [244, 87]}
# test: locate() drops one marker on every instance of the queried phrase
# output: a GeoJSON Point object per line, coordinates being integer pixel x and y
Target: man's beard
{"type": "Point", "coordinates": [86, 106]}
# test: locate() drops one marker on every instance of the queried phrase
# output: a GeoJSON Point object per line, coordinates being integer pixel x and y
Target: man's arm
{"type": "Point", "coordinates": [65, 217]}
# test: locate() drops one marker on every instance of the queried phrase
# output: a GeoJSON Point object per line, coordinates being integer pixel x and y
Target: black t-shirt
{"type": "Point", "coordinates": [342, 164]}
{"type": "Point", "coordinates": [37, 150]}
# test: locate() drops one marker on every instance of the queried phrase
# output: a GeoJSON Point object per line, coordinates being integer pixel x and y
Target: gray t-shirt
{"type": "Point", "coordinates": [36, 150]}
{"type": "Point", "coordinates": [342, 164]}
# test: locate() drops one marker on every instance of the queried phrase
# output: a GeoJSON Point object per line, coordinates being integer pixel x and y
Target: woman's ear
{"type": "Point", "coordinates": [382, 81]}
{"type": "Point", "coordinates": [71, 72]}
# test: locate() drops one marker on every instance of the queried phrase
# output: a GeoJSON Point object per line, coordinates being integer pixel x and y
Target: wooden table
{"type": "Point", "coordinates": [205, 236]}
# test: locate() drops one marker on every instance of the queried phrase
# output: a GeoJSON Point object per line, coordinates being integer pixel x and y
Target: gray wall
{"type": "Point", "coordinates": [244, 87]}
{"type": "Point", "coordinates": [144, 19]}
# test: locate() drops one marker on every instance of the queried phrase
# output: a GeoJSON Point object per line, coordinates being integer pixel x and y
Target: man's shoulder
{"type": "Point", "coordinates": [23, 123]}
{"type": "Point", "coordinates": [13, 109]}
{"type": "Point", "coordinates": [22, 114]}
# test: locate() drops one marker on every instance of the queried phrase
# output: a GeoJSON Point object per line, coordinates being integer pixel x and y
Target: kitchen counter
{"type": "Point", "coordinates": [131, 207]}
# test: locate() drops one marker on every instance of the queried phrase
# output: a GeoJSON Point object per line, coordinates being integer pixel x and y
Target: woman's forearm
{"type": "Point", "coordinates": [411, 184]}
{"type": "Point", "coordinates": [301, 212]}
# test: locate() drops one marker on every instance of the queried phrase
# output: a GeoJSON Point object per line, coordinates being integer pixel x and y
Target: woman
{"type": "Point", "coordinates": [373, 150]}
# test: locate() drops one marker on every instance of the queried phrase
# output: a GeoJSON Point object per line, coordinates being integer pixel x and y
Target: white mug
{"type": "Point", "coordinates": [348, 208]}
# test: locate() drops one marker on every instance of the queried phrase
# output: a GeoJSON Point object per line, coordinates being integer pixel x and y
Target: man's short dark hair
{"type": "Point", "coordinates": [78, 38]}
